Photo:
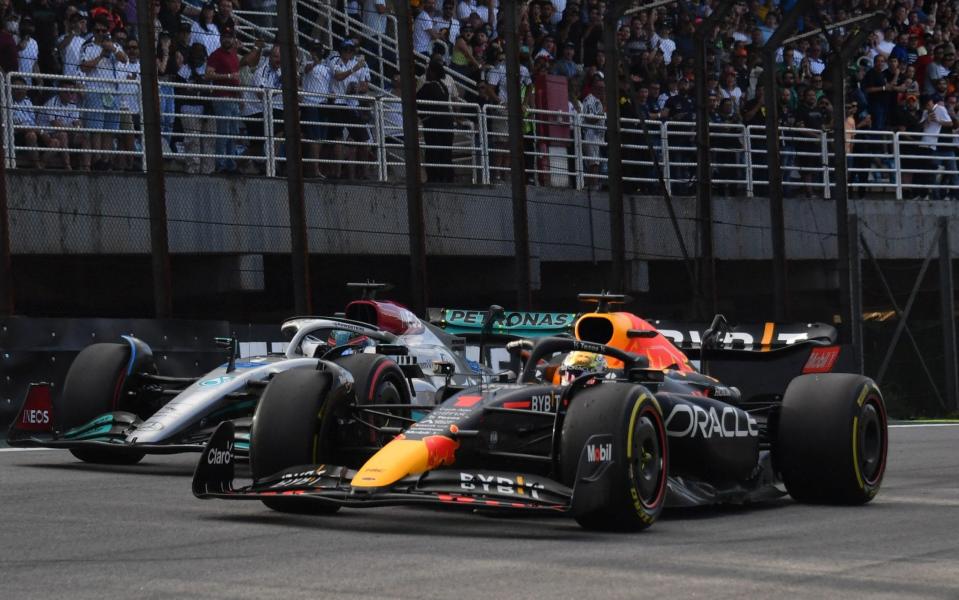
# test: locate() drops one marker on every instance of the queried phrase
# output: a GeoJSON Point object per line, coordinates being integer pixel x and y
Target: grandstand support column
{"type": "Point", "coordinates": [155, 180]}
{"type": "Point", "coordinates": [6, 270]}
{"type": "Point", "coordinates": [517, 157]}
{"type": "Point", "coordinates": [850, 307]}
{"type": "Point", "coordinates": [704, 183]}
{"type": "Point", "coordinates": [855, 292]}
{"type": "Point", "coordinates": [776, 213]}
{"type": "Point", "coordinates": [419, 292]}
{"type": "Point", "coordinates": [614, 149]}
{"type": "Point", "coordinates": [948, 302]}
{"type": "Point", "coordinates": [299, 239]}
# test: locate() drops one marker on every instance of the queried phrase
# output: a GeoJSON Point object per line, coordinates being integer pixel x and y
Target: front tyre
{"type": "Point", "coordinates": [377, 381]}
{"type": "Point", "coordinates": [833, 439]}
{"type": "Point", "coordinates": [638, 460]}
{"type": "Point", "coordinates": [95, 384]}
{"type": "Point", "coordinates": [289, 429]}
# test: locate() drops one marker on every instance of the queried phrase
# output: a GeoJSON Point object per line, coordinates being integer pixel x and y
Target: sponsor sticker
{"type": "Point", "coordinates": [499, 484]}
{"type": "Point", "coordinates": [37, 412]}
{"type": "Point", "coordinates": [821, 360]}
{"type": "Point", "coordinates": [692, 421]}
{"type": "Point", "coordinates": [599, 453]}
{"type": "Point", "coordinates": [216, 381]}
{"type": "Point", "coordinates": [220, 457]}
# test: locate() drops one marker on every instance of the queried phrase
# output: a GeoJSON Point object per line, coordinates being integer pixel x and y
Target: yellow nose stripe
{"type": "Point", "coordinates": [393, 462]}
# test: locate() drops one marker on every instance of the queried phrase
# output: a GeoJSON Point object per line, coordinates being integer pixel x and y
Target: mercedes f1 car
{"type": "Point", "coordinates": [115, 408]}
{"type": "Point", "coordinates": [621, 427]}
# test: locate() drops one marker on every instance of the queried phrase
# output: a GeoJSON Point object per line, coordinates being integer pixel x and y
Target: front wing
{"type": "Point", "coordinates": [489, 490]}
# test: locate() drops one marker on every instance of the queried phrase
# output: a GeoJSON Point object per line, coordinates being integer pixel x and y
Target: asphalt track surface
{"type": "Point", "coordinates": [71, 530]}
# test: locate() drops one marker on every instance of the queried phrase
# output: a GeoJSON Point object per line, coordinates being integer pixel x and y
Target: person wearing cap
{"type": "Point", "coordinates": [462, 59]}
{"type": "Point", "coordinates": [71, 43]}
{"type": "Point", "coordinates": [566, 66]}
{"type": "Point", "coordinates": [350, 78]}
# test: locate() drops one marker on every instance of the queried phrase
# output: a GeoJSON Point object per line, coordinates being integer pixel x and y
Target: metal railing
{"type": "Point", "coordinates": [78, 123]}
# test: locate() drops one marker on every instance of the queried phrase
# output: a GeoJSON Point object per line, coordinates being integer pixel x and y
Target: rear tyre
{"type": "Point", "coordinates": [95, 384]}
{"type": "Point", "coordinates": [640, 463]}
{"type": "Point", "coordinates": [288, 430]}
{"type": "Point", "coordinates": [832, 439]}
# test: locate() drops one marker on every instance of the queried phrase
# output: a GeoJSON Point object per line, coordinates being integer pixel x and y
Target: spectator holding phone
{"type": "Point", "coordinates": [99, 58]}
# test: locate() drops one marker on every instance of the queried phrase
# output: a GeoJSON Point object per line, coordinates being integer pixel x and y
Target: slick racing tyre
{"type": "Point", "coordinates": [95, 384]}
{"type": "Point", "coordinates": [377, 380]}
{"type": "Point", "coordinates": [832, 440]}
{"type": "Point", "coordinates": [636, 453]}
{"type": "Point", "coordinates": [289, 429]}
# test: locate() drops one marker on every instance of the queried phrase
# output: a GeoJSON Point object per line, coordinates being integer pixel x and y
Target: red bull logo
{"type": "Point", "coordinates": [441, 450]}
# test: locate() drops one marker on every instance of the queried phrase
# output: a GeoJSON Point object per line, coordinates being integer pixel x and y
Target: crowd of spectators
{"type": "Point", "coordinates": [904, 78]}
{"type": "Point", "coordinates": [79, 87]}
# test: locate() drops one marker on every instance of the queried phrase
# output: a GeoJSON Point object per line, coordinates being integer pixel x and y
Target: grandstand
{"type": "Point", "coordinates": [904, 65]}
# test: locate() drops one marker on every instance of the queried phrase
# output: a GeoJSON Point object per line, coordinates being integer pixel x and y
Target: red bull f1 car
{"type": "Point", "coordinates": [608, 427]}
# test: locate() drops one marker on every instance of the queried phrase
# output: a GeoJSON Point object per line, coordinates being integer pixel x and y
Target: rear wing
{"type": "Point", "coordinates": [754, 337]}
{"type": "Point", "coordinates": [513, 324]}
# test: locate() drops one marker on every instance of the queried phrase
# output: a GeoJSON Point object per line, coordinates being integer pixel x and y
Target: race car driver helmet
{"type": "Point", "coordinates": [349, 338]}
{"type": "Point", "coordinates": [579, 363]}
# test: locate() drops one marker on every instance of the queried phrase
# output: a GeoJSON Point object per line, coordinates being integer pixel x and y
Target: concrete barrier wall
{"type": "Point", "coordinates": [59, 213]}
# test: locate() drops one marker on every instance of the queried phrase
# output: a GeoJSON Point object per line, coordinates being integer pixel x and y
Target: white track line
{"type": "Point", "coordinates": [25, 449]}
{"type": "Point", "coordinates": [909, 425]}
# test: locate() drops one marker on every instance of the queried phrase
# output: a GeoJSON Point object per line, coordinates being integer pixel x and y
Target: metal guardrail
{"type": "Point", "coordinates": [203, 130]}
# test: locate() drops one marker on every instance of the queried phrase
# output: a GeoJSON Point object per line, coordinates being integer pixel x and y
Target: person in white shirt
{"type": "Point", "coordinates": [730, 90]}
{"type": "Point", "coordinates": [204, 30]}
{"type": "Point", "coordinates": [25, 132]}
{"type": "Point", "coordinates": [466, 9]}
{"type": "Point", "coordinates": [99, 58]}
{"type": "Point", "coordinates": [423, 31]}
{"type": "Point", "coordinates": [497, 78]}
{"type": "Point", "coordinates": [269, 77]}
{"type": "Point", "coordinates": [317, 77]}
{"type": "Point", "coordinates": [374, 15]}
{"type": "Point", "coordinates": [933, 120]}
{"type": "Point", "coordinates": [59, 119]}
{"type": "Point", "coordinates": [594, 125]}
{"type": "Point", "coordinates": [129, 101]}
{"type": "Point", "coordinates": [377, 45]}
{"type": "Point", "coordinates": [447, 25]}
{"type": "Point", "coordinates": [71, 43]}
{"type": "Point", "coordinates": [351, 77]}
{"type": "Point", "coordinates": [29, 51]}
